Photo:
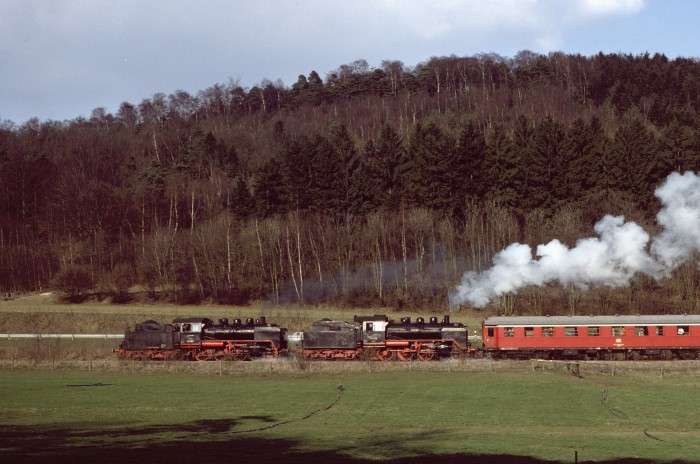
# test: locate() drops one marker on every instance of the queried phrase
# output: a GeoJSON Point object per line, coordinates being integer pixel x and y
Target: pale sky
{"type": "Point", "coordinates": [60, 59]}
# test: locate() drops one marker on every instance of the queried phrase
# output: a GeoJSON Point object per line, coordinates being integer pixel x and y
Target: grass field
{"type": "Point", "coordinates": [392, 416]}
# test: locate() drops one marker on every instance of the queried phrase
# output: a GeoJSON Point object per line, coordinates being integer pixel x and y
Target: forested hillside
{"type": "Point", "coordinates": [366, 187]}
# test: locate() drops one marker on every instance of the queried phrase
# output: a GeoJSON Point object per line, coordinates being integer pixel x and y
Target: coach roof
{"type": "Point", "coordinates": [667, 319]}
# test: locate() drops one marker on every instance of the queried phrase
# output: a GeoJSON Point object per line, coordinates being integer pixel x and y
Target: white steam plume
{"type": "Point", "coordinates": [620, 251]}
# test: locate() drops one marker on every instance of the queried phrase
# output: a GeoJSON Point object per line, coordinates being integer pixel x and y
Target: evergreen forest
{"type": "Point", "coordinates": [365, 187]}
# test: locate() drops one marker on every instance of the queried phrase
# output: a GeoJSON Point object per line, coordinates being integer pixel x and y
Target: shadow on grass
{"type": "Point", "coordinates": [210, 441]}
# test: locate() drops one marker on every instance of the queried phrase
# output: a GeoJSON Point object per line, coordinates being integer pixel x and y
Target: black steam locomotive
{"type": "Point", "coordinates": [369, 337]}
{"type": "Point", "coordinates": [377, 337]}
{"type": "Point", "coordinates": [202, 339]}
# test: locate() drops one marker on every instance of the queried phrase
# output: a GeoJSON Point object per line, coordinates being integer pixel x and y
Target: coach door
{"type": "Point", "coordinates": [490, 338]}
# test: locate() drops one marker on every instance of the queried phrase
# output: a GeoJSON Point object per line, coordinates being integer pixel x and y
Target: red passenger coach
{"type": "Point", "coordinates": [593, 337]}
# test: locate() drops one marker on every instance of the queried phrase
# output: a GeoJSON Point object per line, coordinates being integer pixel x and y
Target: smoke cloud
{"type": "Point", "coordinates": [621, 250]}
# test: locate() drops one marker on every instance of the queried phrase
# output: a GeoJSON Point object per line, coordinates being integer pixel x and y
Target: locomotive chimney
{"type": "Point", "coordinates": [262, 319]}
{"type": "Point", "coordinates": [446, 319]}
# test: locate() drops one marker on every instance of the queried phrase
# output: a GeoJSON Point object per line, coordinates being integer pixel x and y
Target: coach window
{"type": "Point", "coordinates": [509, 332]}
{"type": "Point", "coordinates": [529, 331]}
{"type": "Point", "coordinates": [593, 331]}
{"type": "Point", "coordinates": [570, 331]}
{"type": "Point", "coordinates": [659, 330]}
{"type": "Point", "coordinates": [547, 331]}
{"type": "Point", "coordinates": [490, 331]}
{"type": "Point", "coordinates": [683, 329]}
{"type": "Point", "coordinates": [641, 331]}
{"type": "Point", "coordinates": [618, 331]}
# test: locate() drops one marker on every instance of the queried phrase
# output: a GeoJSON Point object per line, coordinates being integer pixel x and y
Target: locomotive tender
{"type": "Point", "coordinates": [593, 337]}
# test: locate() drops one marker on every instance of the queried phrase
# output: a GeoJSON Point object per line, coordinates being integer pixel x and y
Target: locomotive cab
{"type": "Point", "coordinates": [373, 327]}
{"type": "Point", "coordinates": [190, 330]}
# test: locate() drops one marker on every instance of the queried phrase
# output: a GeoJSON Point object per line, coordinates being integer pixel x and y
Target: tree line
{"type": "Point", "coordinates": [373, 186]}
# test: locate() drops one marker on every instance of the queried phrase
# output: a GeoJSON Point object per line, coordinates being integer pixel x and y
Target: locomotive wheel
{"type": "Point", "coordinates": [241, 356]}
{"type": "Point", "coordinates": [385, 355]}
{"type": "Point", "coordinates": [426, 355]}
{"type": "Point", "coordinates": [204, 355]}
{"type": "Point", "coordinates": [156, 355]}
{"type": "Point", "coordinates": [405, 355]}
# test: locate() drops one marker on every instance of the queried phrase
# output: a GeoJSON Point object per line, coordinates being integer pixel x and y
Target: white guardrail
{"type": "Point", "coordinates": [62, 336]}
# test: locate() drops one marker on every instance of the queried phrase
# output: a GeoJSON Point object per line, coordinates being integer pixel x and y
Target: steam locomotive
{"type": "Point", "coordinates": [369, 337]}
{"type": "Point", "coordinates": [202, 339]}
{"type": "Point", "coordinates": [380, 338]}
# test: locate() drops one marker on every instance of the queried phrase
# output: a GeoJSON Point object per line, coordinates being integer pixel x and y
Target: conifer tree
{"type": "Point", "coordinates": [469, 177]}
{"type": "Point", "coordinates": [241, 202]}
{"type": "Point", "coordinates": [634, 162]}
{"type": "Point", "coordinates": [504, 168]}
{"type": "Point", "coordinates": [431, 153]}
{"type": "Point", "coordinates": [677, 151]}
{"type": "Point", "coordinates": [547, 167]}
{"type": "Point", "coordinates": [271, 196]}
{"type": "Point", "coordinates": [582, 147]}
{"type": "Point", "coordinates": [298, 173]}
{"type": "Point", "coordinates": [353, 197]}
{"type": "Point", "coordinates": [387, 167]}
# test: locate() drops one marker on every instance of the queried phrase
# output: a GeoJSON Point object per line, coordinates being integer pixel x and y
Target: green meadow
{"type": "Point", "coordinates": [399, 416]}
